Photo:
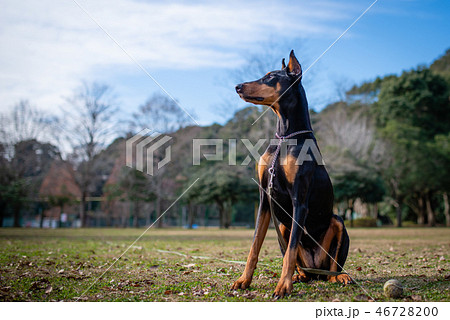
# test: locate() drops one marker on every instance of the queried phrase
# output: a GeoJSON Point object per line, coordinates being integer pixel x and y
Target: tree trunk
{"type": "Point", "coordinates": [158, 203]}
{"type": "Point", "coordinates": [136, 214]}
{"type": "Point", "coordinates": [41, 218]}
{"type": "Point", "coordinates": [191, 215]}
{"type": "Point", "coordinates": [227, 215]}
{"type": "Point", "coordinates": [398, 210]}
{"type": "Point", "coordinates": [350, 207]}
{"type": "Point", "coordinates": [149, 215]}
{"type": "Point", "coordinates": [60, 216]}
{"type": "Point", "coordinates": [375, 210]}
{"type": "Point", "coordinates": [421, 210]}
{"type": "Point", "coordinates": [446, 209]}
{"type": "Point", "coordinates": [16, 216]}
{"type": "Point", "coordinates": [430, 213]}
{"type": "Point", "coordinates": [83, 209]}
{"type": "Point", "coordinates": [199, 215]}
{"type": "Point", "coordinates": [125, 213]}
{"type": "Point", "coordinates": [221, 215]}
{"type": "Point", "coordinates": [2, 212]}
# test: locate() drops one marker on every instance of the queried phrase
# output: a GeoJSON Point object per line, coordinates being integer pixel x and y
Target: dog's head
{"type": "Point", "coordinates": [273, 86]}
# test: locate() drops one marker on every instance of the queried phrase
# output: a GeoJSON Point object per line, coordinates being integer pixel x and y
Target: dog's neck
{"type": "Point", "coordinates": [293, 114]}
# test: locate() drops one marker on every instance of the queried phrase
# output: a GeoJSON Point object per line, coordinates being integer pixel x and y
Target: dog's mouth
{"type": "Point", "coordinates": [255, 98]}
{"type": "Point", "coordinates": [249, 99]}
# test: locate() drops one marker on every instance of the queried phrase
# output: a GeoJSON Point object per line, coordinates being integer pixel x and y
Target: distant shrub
{"type": "Point", "coordinates": [409, 224]}
{"type": "Point", "coordinates": [365, 222]}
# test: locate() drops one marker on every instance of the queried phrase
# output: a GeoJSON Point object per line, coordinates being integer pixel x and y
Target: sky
{"type": "Point", "coordinates": [191, 48]}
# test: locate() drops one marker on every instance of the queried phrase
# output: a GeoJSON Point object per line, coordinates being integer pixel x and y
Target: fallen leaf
{"type": "Point", "coordinates": [359, 269]}
{"type": "Point", "coordinates": [49, 289]}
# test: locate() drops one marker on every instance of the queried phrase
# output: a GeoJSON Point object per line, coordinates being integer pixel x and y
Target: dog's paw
{"type": "Point", "coordinates": [284, 288]}
{"type": "Point", "coordinates": [341, 278]}
{"type": "Point", "coordinates": [300, 278]}
{"type": "Point", "coordinates": [241, 283]}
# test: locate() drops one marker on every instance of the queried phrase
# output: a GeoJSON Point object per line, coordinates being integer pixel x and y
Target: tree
{"type": "Point", "coordinates": [223, 186]}
{"type": "Point", "coordinates": [59, 187]}
{"type": "Point", "coordinates": [22, 174]}
{"type": "Point", "coordinates": [135, 187]}
{"type": "Point", "coordinates": [352, 185]}
{"type": "Point", "coordinates": [26, 122]}
{"type": "Point", "coordinates": [162, 115]}
{"type": "Point", "coordinates": [348, 139]}
{"type": "Point", "coordinates": [60, 201]}
{"type": "Point", "coordinates": [410, 113]}
{"type": "Point", "coordinates": [90, 124]}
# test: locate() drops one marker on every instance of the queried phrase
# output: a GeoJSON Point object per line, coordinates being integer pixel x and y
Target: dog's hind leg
{"type": "Point", "coordinates": [335, 243]}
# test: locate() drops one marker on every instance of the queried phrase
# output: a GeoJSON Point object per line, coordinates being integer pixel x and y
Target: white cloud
{"type": "Point", "coordinates": [48, 46]}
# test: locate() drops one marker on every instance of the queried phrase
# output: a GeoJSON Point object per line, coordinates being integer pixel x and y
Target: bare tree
{"type": "Point", "coordinates": [347, 135]}
{"type": "Point", "coordinates": [343, 85]}
{"type": "Point", "coordinates": [26, 122]}
{"type": "Point", "coordinates": [89, 125]}
{"type": "Point", "coordinates": [163, 115]}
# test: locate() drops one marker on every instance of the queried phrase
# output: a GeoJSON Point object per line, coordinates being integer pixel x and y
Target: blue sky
{"type": "Point", "coordinates": [191, 47]}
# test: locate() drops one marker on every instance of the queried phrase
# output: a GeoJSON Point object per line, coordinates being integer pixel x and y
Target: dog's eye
{"type": "Point", "coordinates": [270, 76]}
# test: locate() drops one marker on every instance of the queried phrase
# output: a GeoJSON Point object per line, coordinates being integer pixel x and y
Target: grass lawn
{"type": "Point", "coordinates": [197, 265]}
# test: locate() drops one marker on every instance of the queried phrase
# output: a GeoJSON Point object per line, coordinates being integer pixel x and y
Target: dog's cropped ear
{"type": "Point", "coordinates": [283, 64]}
{"type": "Point", "coordinates": [293, 68]}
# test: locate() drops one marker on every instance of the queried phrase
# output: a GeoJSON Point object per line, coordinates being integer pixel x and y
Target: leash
{"type": "Point", "coordinates": [271, 171]}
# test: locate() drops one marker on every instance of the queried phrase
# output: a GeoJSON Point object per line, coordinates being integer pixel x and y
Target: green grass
{"type": "Point", "coordinates": [55, 265]}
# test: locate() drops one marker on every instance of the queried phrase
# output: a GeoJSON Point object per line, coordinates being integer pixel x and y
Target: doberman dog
{"type": "Point", "coordinates": [302, 194]}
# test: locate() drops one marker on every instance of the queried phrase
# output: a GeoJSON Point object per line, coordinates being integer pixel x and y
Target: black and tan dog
{"type": "Point", "coordinates": [302, 195]}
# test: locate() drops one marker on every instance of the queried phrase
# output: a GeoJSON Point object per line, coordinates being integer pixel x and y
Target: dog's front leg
{"type": "Point", "coordinates": [262, 223]}
{"type": "Point", "coordinates": [284, 286]}
{"type": "Point", "coordinates": [300, 196]}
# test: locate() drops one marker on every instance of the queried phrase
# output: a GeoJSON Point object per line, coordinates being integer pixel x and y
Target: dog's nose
{"type": "Point", "coordinates": [239, 88]}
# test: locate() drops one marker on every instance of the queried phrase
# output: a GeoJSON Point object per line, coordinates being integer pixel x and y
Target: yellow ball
{"type": "Point", "coordinates": [393, 289]}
